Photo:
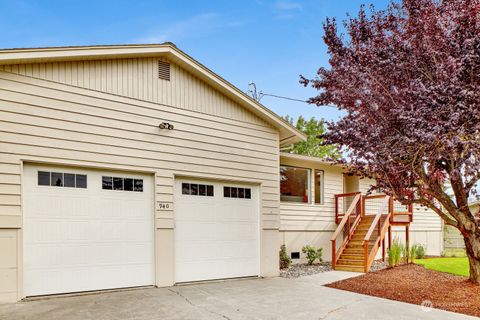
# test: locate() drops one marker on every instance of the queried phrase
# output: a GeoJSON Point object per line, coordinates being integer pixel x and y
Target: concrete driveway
{"type": "Point", "coordinates": [274, 298]}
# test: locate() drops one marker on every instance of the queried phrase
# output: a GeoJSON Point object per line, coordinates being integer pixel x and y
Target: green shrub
{"type": "Point", "coordinates": [413, 253]}
{"type": "Point", "coordinates": [420, 251]}
{"type": "Point", "coordinates": [313, 254]}
{"type": "Point", "coordinates": [284, 258]}
{"type": "Point", "coordinates": [404, 253]}
{"type": "Point", "coordinates": [395, 253]}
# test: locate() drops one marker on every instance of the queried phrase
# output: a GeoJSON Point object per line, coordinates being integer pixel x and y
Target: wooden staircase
{"type": "Point", "coordinates": [353, 256]}
{"type": "Point", "coordinates": [363, 234]}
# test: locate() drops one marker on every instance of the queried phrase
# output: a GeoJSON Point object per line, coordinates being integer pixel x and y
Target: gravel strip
{"type": "Point", "coordinates": [378, 265]}
{"type": "Point", "coordinates": [302, 269]}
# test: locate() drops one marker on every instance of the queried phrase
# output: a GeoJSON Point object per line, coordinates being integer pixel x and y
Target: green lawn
{"type": "Point", "coordinates": [458, 266]}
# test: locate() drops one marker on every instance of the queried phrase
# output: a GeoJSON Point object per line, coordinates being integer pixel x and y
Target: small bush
{"type": "Point", "coordinates": [395, 253]}
{"type": "Point", "coordinates": [284, 258]}
{"type": "Point", "coordinates": [313, 254]}
{"type": "Point", "coordinates": [420, 251]}
{"type": "Point", "coordinates": [413, 253]}
{"type": "Point", "coordinates": [404, 253]}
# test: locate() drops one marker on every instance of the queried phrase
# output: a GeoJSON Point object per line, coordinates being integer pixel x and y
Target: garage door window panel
{"type": "Point", "coordinates": [122, 184]}
{"type": "Point", "coordinates": [43, 178]}
{"type": "Point", "coordinates": [226, 192]}
{"type": "Point", "coordinates": [81, 181]}
{"type": "Point", "coordinates": [202, 190]}
{"type": "Point", "coordinates": [118, 184]}
{"type": "Point", "coordinates": [69, 180]}
{"type": "Point", "coordinates": [107, 183]}
{"type": "Point", "coordinates": [128, 184]}
{"type": "Point", "coordinates": [57, 179]}
{"type": "Point", "coordinates": [209, 191]}
{"type": "Point", "coordinates": [186, 188]}
{"type": "Point", "coordinates": [138, 185]}
{"type": "Point", "coordinates": [60, 179]}
{"type": "Point", "coordinates": [194, 189]}
{"type": "Point", "coordinates": [237, 193]}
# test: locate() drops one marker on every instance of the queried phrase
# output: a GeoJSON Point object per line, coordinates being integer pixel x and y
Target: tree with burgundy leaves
{"type": "Point", "coordinates": [408, 78]}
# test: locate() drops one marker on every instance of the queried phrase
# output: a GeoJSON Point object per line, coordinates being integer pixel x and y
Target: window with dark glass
{"type": "Point", "coordinates": [60, 179]}
{"type": "Point", "coordinates": [122, 184]}
{"type": "Point", "coordinates": [195, 189]}
{"type": "Point", "coordinates": [107, 183]}
{"type": "Point", "coordinates": [234, 192]}
{"type": "Point", "coordinates": [209, 191]}
{"type": "Point", "coordinates": [43, 178]}
{"type": "Point", "coordinates": [185, 188]}
{"type": "Point", "coordinates": [81, 181]}
{"type": "Point", "coordinates": [138, 185]}
{"type": "Point", "coordinates": [117, 183]}
{"type": "Point", "coordinates": [69, 180]}
{"type": "Point", "coordinates": [202, 190]}
{"type": "Point", "coordinates": [294, 184]}
{"type": "Point", "coordinates": [128, 184]}
{"type": "Point", "coordinates": [57, 179]}
{"type": "Point", "coordinates": [319, 186]}
{"type": "Point", "coordinates": [226, 192]}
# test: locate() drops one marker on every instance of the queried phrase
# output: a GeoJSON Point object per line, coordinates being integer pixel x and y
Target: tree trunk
{"type": "Point", "coordinates": [472, 246]}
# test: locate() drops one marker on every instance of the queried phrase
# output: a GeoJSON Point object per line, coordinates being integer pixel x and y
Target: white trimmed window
{"type": "Point", "coordinates": [318, 186]}
{"type": "Point", "coordinates": [295, 184]}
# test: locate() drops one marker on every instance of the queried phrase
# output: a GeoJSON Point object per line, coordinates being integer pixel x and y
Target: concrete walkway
{"type": "Point", "coordinates": [274, 298]}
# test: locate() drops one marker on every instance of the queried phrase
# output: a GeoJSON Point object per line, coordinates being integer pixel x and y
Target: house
{"type": "Point", "coordinates": [135, 165]}
{"type": "Point", "coordinates": [308, 216]}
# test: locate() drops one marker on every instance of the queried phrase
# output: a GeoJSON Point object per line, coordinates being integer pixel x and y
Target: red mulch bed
{"type": "Point", "coordinates": [415, 284]}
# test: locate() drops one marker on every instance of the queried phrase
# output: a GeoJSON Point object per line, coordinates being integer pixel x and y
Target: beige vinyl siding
{"type": "Point", "coordinates": [41, 120]}
{"type": "Point", "coordinates": [138, 79]}
{"type": "Point", "coordinates": [56, 123]}
{"type": "Point", "coordinates": [313, 217]}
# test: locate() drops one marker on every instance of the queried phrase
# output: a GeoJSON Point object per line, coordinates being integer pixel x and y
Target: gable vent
{"type": "Point", "coordinates": [164, 70]}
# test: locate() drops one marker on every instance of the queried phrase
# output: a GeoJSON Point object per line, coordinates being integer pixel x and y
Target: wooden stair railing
{"type": "Point", "coordinates": [381, 227]}
{"type": "Point", "coordinates": [355, 207]}
{"type": "Point", "coordinates": [343, 196]}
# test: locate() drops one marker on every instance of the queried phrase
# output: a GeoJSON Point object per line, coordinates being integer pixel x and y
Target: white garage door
{"type": "Point", "coordinates": [216, 230]}
{"type": "Point", "coordinates": [86, 230]}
